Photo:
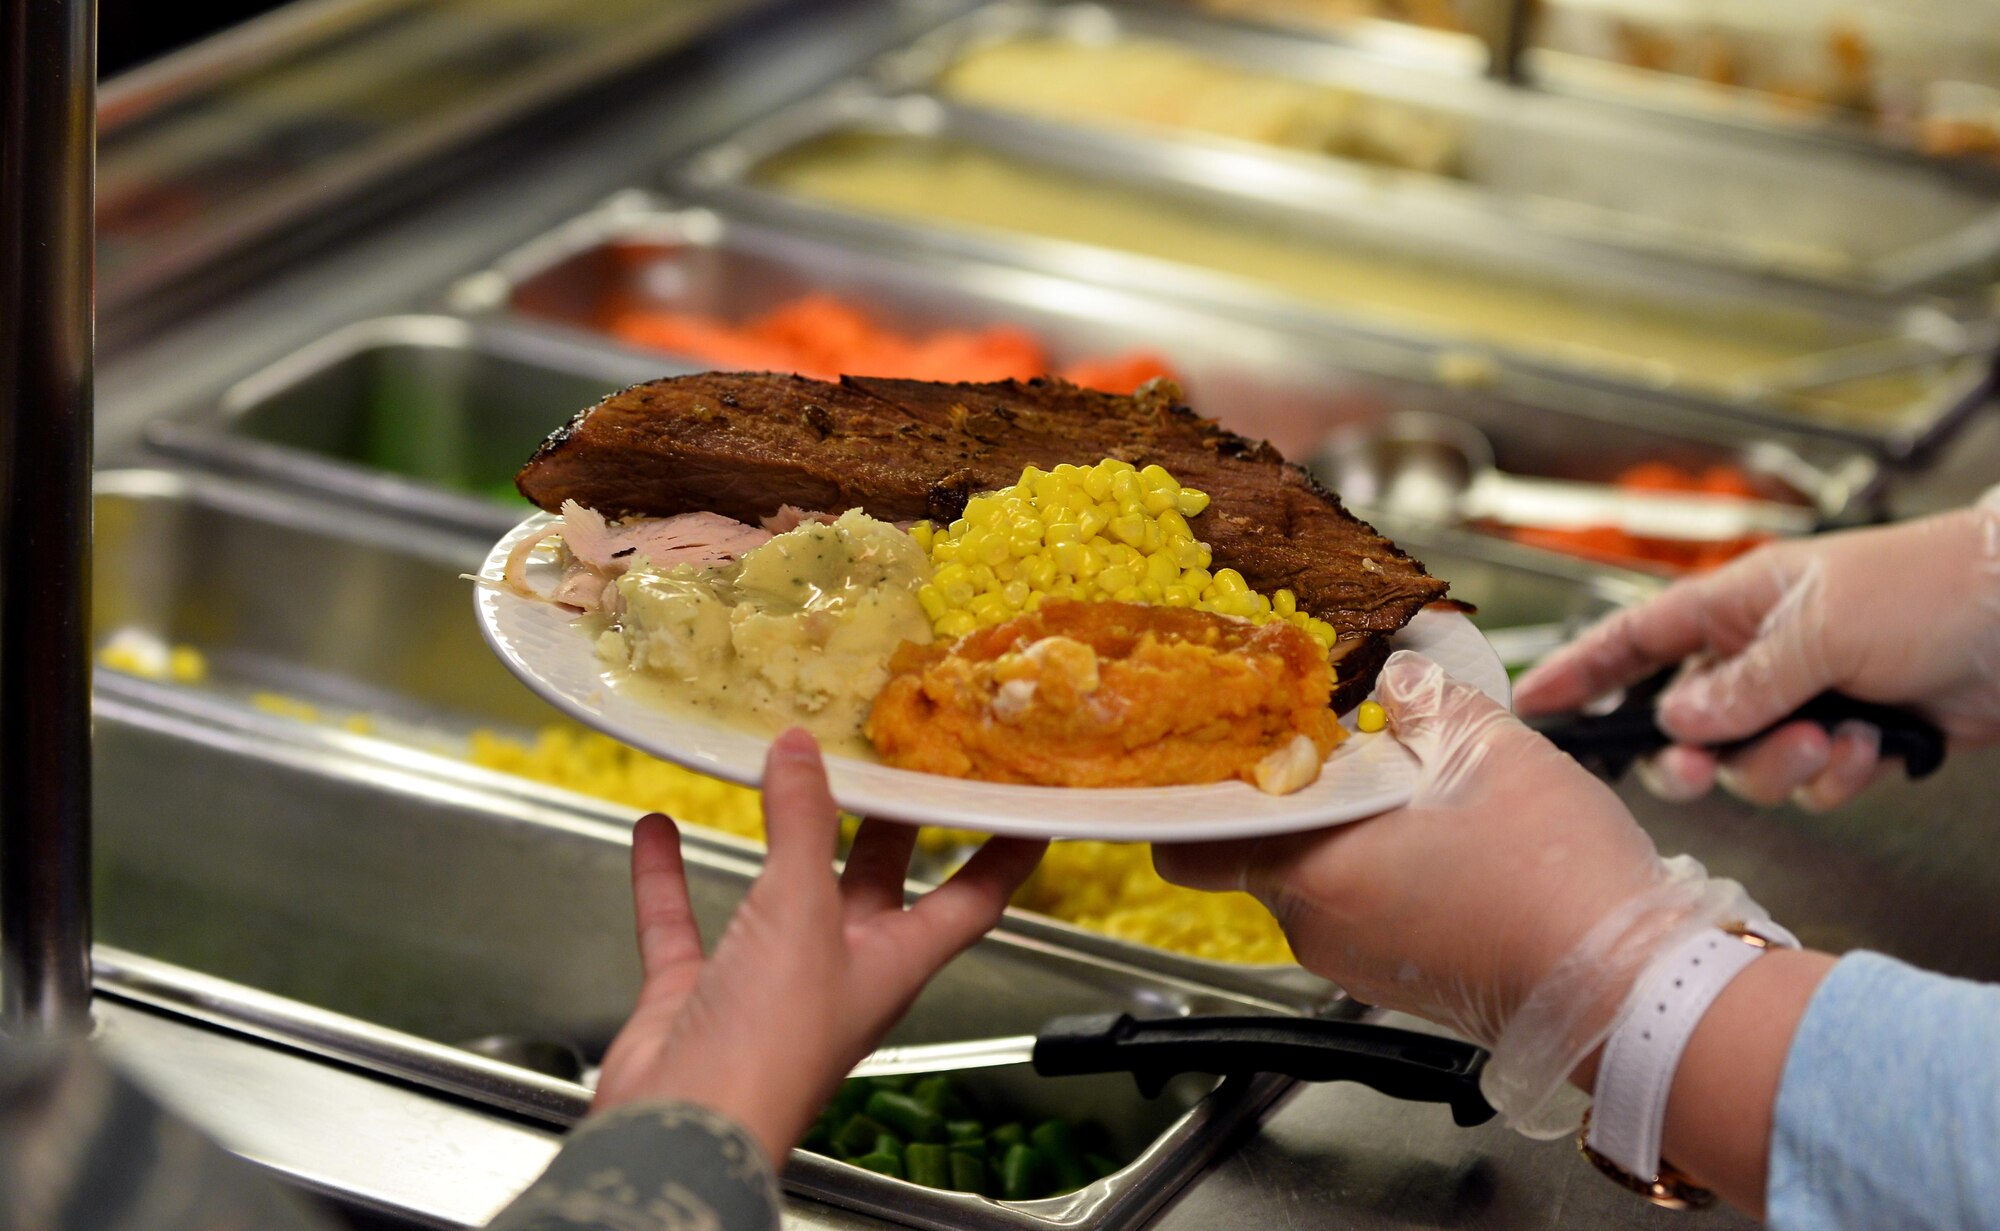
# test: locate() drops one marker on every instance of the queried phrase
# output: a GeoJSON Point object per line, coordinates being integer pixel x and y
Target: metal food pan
{"type": "Point", "coordinates": [1773, 52]}
{"type": "Point", "coordinates": [426, 416]}
{"type": "Point", "coordinates": [1846, 217]}
{"type": "Point", "coordinates": [637, 250]}
{"type": "Point", "coordinates": [1838, 341]}
{"type": "Point", "coordinates": [424, 917]}
{"type": "Point", "coordinates": [356, 613]}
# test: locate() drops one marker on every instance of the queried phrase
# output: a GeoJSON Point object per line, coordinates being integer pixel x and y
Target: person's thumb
{"type": "Point", "coordinates": [1782, 668]}
{"type": "Point", "coordinates": [1447, 724]}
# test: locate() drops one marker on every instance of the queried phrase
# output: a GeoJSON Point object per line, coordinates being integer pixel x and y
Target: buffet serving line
{"type": "Point", "coordinates": [360, 897]}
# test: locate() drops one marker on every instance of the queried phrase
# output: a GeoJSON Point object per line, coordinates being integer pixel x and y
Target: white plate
{"type": "Point", "coordinates": [1366, 775]}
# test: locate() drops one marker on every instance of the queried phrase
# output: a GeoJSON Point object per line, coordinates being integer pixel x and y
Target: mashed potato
{"type": "Point", "coordinates": [798, 632]}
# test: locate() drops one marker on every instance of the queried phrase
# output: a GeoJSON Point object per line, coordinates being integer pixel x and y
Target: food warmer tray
{"type": "Point", "coordinates": [329, 930]}
{"type": "Point", "coordinates": [1853, 219]}
{"type": "Point", "coordinates": [1896, 334]}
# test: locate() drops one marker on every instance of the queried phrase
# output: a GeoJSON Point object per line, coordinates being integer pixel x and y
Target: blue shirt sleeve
{"type": "Point", "coordinates": [1888, 1112]}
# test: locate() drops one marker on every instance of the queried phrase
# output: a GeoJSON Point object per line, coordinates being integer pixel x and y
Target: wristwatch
{"type": "Point", "coordinates": [1635, 1071]}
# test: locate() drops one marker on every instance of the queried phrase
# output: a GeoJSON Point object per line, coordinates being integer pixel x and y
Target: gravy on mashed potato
{"type": "Point", "coordinates": [797, 632]}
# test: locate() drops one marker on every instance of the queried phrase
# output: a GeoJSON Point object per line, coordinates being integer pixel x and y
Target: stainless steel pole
{"type": "Point", "coordinates": [48, 137]}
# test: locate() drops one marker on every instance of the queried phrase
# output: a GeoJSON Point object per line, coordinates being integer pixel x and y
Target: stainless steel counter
{"type": "Point", "coordinates": [1911, 872]}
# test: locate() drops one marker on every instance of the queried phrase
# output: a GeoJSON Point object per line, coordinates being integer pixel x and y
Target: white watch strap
{"type": "Point", "coordinates": [1636, 1070]}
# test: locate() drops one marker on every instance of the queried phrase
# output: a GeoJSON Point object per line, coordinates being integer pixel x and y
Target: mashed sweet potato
{"type": "Point", "coordinates": [1112, 695]}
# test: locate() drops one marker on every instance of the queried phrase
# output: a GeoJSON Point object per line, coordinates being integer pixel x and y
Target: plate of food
{"type": "Point", "coordinates": [1017, 608]}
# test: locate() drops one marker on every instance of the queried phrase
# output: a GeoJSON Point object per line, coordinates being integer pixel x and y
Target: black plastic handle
{"type": "Point", "coordinates": [1612, 742]}
{"type": "Point", "coordinates": [1402, 1064]}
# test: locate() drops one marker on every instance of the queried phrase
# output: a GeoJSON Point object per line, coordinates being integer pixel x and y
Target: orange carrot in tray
{"type": "Point", "coordinates": [1616, 547]}
{"type": "Point", "coordinates": [824, 337]}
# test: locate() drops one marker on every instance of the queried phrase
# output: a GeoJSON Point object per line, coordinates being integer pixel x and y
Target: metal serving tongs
{"type": "Point", "coordinates": [1402, 1064]}
{"type": "Point", "coordinates": [1608, 743]}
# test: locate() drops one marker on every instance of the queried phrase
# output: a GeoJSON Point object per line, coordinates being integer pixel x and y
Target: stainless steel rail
{"type": "Point", "coordinates": [48, 124]}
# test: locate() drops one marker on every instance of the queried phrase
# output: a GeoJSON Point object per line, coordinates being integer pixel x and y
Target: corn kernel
{"type": "Point", "coordinates": [1371, 717]}
{"type": "Point", "coordinates": [1117, 578]}
{"type": "Point", "coordinates": [989, 608]}
{"type": "Point", "coordinates": [955, 624]}
{"type": "Point", "coordinates": [1191, 501]}
{"type": "Point", "coordinates": [1156, 478]}
{"type": "Point", "coordinates": [1015, 594]}
{"type": "Point", "coordinates": [981, 510]}
{"type": "Point", "coordinates": [1229, 581]}
{"type": "Point", "coordinates": [1126, 594]}
{"type": "Point", "coordinates": [992, 550]}
{"type": "Point", "coordinates": [1092, 521]}
{"type": "Point", "coordinates": [1177, 596]}
{"type": "Point", "coordinates": [186, 665]}
{"type": "Point", "coordinates": [1161, 569]}
{"type": "Point", "coordinates": [1129, 528]}
{"type": "Point", "coordinates": [1284, 602]}
{"type": "Point", "coordinates": [1064, 532]}
{"type": "Point", "coordinates": [922, 533]}
{"type": "Point", "coordinates": [1157, 502]}
{"type": "Point", "coordinates": [1098, 482]}
{"type": "Point", "coordinates": [931, 599]}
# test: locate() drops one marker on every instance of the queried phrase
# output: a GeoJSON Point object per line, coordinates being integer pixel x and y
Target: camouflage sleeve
{"type": "Point", "coordinates": [84, 1149]}
{"type": "Point", "coordinates": [651, 1167]}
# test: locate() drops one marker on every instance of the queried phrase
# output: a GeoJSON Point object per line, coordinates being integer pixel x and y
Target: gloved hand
{"type": "Point", "coordinates": [1513, 900]}
{"type": "Point", "coordinates": [1906, 615]}
{"type": "Point", "coordinates": [812, 971]}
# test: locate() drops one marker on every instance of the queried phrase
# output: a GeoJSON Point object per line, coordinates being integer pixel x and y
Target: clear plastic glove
{"type": "Point", "coordinates": [1514, 900]}
{"type": "Point", "coordinates": [812, 970]}
{"type": "Point", "coordinates": [1905, 615]}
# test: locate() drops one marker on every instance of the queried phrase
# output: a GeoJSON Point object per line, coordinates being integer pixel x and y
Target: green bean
{"type": "Point", "coordinates": [857, 1136]}
{"type": "Point", "coordinates": [968, 1131]}
{"type": "Point", "coordinates": [942, 1095]}
{"type": "Point", "coordinates": [906, 1115]}
{"type": "Point", "coordinates": [1057, 1143]}
{"type": "Point", "coordinates": [884, 1164]}
{"type": "Point", "coordinates": [928, 1164]}
{"type": "Point", "coordinates": [1021, 1172]}
{"type": "Point", "coordinates": [1000, 1139]}
{"type": "Point", "coordinates": [968, 1172]}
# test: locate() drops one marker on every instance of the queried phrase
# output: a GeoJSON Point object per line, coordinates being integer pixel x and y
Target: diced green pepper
{"type": "Point", "coordinates": [1021, 1174]}
{"type": "Point", "coordinates": [928, 1164]}
{"type": "Point", "coordinates": [906, 1116]}
{"type": "Point", "coordinates": [882, 1164]}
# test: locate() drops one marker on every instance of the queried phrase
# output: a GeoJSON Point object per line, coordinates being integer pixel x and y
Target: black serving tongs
{"type": "Point", "coordinates": [1608, 743]}
{"type": "Point", "coordinates": [1403, 1064]}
